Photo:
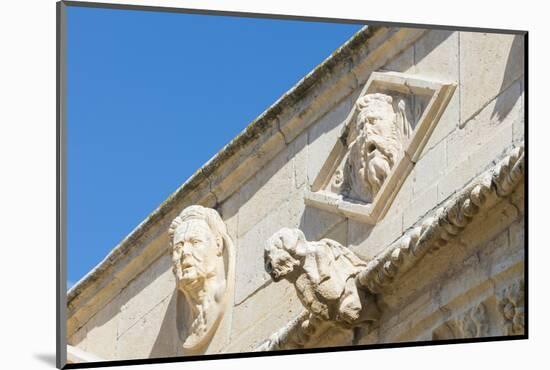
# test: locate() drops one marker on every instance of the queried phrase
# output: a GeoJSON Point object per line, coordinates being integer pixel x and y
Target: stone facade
{"type": "Point", "coordinates": [389, 181]}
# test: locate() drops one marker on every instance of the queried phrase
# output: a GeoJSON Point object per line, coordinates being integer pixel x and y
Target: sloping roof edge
{"type": "Point", "coordinates": [250, 133]}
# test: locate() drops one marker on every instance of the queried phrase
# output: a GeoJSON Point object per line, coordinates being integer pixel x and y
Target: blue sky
{"type": "Point", "coordinates": [152, 96]}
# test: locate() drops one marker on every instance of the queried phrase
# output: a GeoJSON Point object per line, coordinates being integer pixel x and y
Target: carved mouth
{"type": "Point", "coordinates": [371, 147]}
{"type": "Point", "coordinates": [185, 264]}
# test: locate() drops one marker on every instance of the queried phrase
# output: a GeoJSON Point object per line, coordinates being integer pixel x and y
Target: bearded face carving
{"type": "Point", "coordinates": [377, 137]}
{"type": "Point", "coordinates": [199, 242]}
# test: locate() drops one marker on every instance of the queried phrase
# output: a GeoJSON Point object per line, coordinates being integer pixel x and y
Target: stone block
{"type": "Point", "coordinates": [447, 124]}
{"type": "Point", "coordinates": [264, 192]}
{"type": "Point", "coordinates": [297, 154]}
{"type": "Point", "coordinates": [322, 136]}
{"type": "Point", "coordinates": [436, 55]}
{"type": "Point", "coordinates": [316, 222]}
{"type": "Point", "coordinates": [455, 179]}
{"type": "Point", "coordinates": [339, 233]}
{"type": "Point", "coordinates": [101, 331]}
{"type": "Point", "coordinates": [229, 212]}
{"type": "Point", "coordinates": [497, 255]}
{"type": "Point", "coordinates": [420, 206]}
{"type": "Point", "coordinates": [367, 241]}
{"type": "Point", "coordinates": [230, 177]}
{"type": "Point", "coordinates": [498, 116]}
{"type": "Point", "coordinates": [262, 314]}
{"type": "Point", "coordinates": [464, 285]}
{"type": "Point", "coordinates": [489, 64]}
{"type": "Point", "coordinates": [403, 62]}
{"type": "Point", "coordinates": [402, 199]}
{"type": "Point", "coordinates": [250, 272]}
{"type": "Point", "coordinates": [153, 335]}
{"type": "Point", "coordinates": [431, 167]}
{"type": "Point", "coordinates": [152, 286]}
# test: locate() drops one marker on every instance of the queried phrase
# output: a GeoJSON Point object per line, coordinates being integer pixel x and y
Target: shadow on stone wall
{"type": "Point", "coordinates": [515, 69]}
{"type": "Point", "coordinates": [166, 343]}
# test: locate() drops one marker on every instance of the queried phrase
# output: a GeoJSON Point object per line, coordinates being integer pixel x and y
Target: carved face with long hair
{"type": "Point", "coordinates": [199, 239]}
{"type": "Point", "coordinates": [377, 140]}
{"type": "Point", "coordinates": [196, 251]}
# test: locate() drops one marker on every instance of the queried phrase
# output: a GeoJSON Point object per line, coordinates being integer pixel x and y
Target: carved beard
{"type": "Point", "coordinates": [371, 161]}
{"type": "Point", "coordinates": [204, 292]}
{"type": "Point", "coordinates": [378, 168]}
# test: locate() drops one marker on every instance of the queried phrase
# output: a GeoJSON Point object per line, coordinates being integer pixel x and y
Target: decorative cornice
{"type": "Point", "coordinates": [447, 222]}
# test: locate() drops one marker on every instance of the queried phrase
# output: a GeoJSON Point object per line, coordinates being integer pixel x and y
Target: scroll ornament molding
{"type": "Point", "coordinates": [445, 224]}
{"type": "Point", "coordinates": [474, 323]}
{"type": "Point", "coordinates": [203, 262]}
{"type": "Point", "coordinates": [511, 305]}
{"type": "Point", "coordinates": [382, 137]}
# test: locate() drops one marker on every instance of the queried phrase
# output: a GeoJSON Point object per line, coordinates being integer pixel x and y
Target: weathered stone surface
{"type": "Point", "coordinates": [429, 169]}
{"type": "Point", "coordinates": [322, 136]}
{"type": "Point", "coordinates": [436, 55]}
{"type": "Point", "coordinates": [494, 119]}
{"type": "Point", "coordinates": [148, 290]}
{"type": "Point", "coordinates": [250, 272]}
{"type": "Point", "coordinates": [153, 335]}
{"type": "Point", "coordinates": [229, 211]}
{"type": "Point", "coordinates": [519, 124]}
{"type": "Point", "coordinates": [440, 256]}
{"type": "Point", "coordinates": [421, 204]}
{"type": "Point", "coordinates": [297, 154]}
{"type": "Point", "coordinates": [102, 331]}
{"type": "Point", "coordinates": [252, 326]}
{"type": "Point", "coordinates": [404, 62]}
{"type": "Point", "coordinates": [264, 192]}
{"type": "Point", "coordinates": [490, 61]}
{"type": "Point", "coordinates": [367, 241]}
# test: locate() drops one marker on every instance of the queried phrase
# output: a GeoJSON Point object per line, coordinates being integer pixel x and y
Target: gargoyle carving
{"type": "Point", "coordinates": [323, 274]}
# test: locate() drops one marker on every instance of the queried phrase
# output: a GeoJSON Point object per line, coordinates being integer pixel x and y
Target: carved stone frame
{"type": "Point", "coordinates": [439, 93]}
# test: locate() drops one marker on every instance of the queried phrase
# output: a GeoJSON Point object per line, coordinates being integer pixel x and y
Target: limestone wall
{"type": "Point", "coordinates": [134, 312]}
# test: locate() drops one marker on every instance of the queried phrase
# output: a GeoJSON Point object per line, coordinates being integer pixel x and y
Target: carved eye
{"type": "Point", "coordinates": [268, 267]}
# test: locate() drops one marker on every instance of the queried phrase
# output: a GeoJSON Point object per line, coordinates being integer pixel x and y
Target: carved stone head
{"type": "Point", "coordinates": [281, 252]}
{"type": "Point", "coordinates": [377, 138]}
{"type": "Point", "coordinates": [198, 239]}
